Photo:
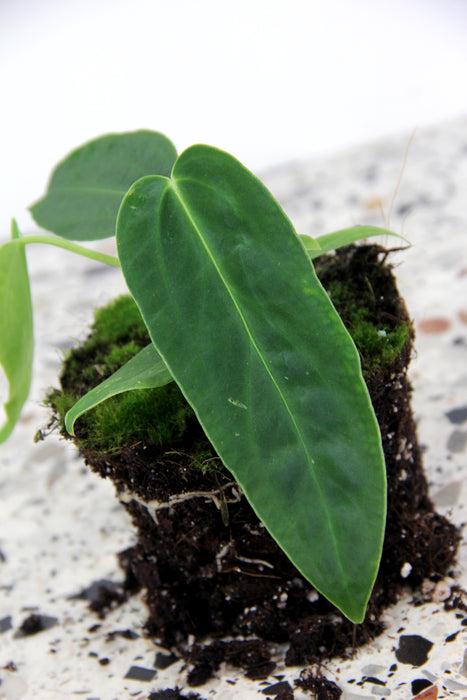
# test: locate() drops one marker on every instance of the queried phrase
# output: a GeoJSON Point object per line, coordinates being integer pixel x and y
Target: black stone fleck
{"type": "Point", "coordinates": [452, 637]}
{"type": "Point", "coordinates": [371, 679]}
{"type": "Point", "coordinates": [125, 634]}
{"type": "Point", "coordinates": [163, 661]}
{"type": "Point", "coordinates": [173, 694]}
{"type": "Point", "coordinates": [420, 684]}
{"type": "Point", "coordinates": [404, 209]}
{"type": "Point", "coordinates": [139, 673]}
{"type": "Point", "coordinates": [5, 624]}
{"type": "Point", "coordinates": [11, 666]}
{"type": "Point", "coordinates": [35, 623]}
{"type": "Point", "coordinates": [94, 590]}
{"type": "Point", "coordinates": [457, 441]}
{"type": "Point", "coordinates": [276, 688]}
{"type": "Point", "coordinates": [413, 649]}
{"type": "Point", "coordinates": [94, 628]}
{"type": "Point", "coordinates": [370, 173]}
{"type": "Point", "coordinates": [97, 270]}
{"type": "Point", "coordinates": [200, 674]}
{"type": "Point", "coordinates": [457, 415]}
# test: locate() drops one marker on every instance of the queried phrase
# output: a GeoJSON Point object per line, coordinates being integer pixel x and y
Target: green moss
{"type": "Point", "coordinates": [120, 354]}
{"type": "Point", "coordinates": [378, 343]}
{"type": "Point", "coordinates": [162, 417]}
{"type": "Point", "coordinates": [60, 402]}
{"type": "Point", "coordinates": [117, 320]}
{"type": "Point", "coordinates": [152, 416]}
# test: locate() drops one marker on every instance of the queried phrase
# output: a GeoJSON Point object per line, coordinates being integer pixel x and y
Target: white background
{"type": "Point", "coordinates": [267, 80]}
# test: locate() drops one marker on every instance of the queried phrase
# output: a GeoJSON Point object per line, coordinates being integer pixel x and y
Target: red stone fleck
{"type": "Point", "coordinates": [26, 418]}
{"type": "Point", "coordinates": [430, 693]}
{"type": "Point", "coordinates": [374, 204]}
{"type": "Point", "coordinates": [434, 325]}
{"type": "Point", "coordinates": [463, 315]}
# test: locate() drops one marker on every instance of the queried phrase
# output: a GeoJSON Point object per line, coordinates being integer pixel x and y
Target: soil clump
{"type": "Point", "coordinates": [208, 566]}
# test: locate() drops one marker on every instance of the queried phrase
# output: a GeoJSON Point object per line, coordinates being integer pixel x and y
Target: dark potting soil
{"type": "Point", "coordinates": [207, 564]}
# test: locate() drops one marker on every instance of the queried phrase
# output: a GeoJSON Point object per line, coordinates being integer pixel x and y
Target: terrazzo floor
{"type": "Point", "coordinates": [61, 526]}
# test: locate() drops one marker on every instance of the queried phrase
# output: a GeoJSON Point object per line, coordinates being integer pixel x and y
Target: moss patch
{"type": "Point", "coordinates": [373, 320]}
{"type": "Point", "coordinates": [162, 417]}
{"type": "Point", "coordinates": [378, 343]}
{"type": "Point", "coordinates": [152, 416]}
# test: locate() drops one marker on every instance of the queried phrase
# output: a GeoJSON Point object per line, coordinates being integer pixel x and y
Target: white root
{"type": "Point", "coordinates": [154, 505]}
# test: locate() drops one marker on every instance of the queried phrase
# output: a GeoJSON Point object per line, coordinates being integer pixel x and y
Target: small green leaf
{"type": "Point", "coordinates": [337, 239]}
{"type": "Point", "coordinates": [311, 244]}
{"type": "Point", "coordinates": [86, 188]}
{"type": "Point", "coordinates": [16, 331]}
{"type": "Point", "coordinates": [234, 307]}
{"type": "Point", "coordinates": [146, 370]}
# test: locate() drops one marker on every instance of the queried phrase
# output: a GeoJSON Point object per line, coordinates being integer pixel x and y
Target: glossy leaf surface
{"type": "Point", "coordinates": [86, 188]}
{"type": "Point", "coordinates": [331, 241]}
{"type": "Point", "coordinates": [16, 330]}
{"type": "Point", "coordinates": [146, 370]}
{"type": "Point", "coordinates": [233, 305]}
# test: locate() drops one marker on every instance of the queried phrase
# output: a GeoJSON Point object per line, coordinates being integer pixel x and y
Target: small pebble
{"type": "Point", "coordinates": [427, 587]}
{"type": "Point", "coordinates": [441, 592]}
{"type": "Point", "coordinates": [387, 619]}
{"type": "Point", "coordinates": [406, 569]}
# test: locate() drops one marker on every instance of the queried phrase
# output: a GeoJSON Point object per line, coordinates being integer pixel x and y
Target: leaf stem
{"type": "Point", "coordinates": [72, 247]}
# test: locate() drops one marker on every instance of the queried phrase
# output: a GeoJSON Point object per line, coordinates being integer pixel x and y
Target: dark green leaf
{"type": "Point", "coordinates": [233, 305]}
{"type": "Point", "coordinates": [16, 332]}
{"type": "Point", "coordinates": [86, 188]}
{"type": "Point", "coordinates": [146, 370]}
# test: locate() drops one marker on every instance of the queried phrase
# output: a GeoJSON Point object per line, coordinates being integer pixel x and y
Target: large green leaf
{"type": "Point", "coordinates": [16, 331]}
{"type": "Point", "coordinates": [235, 309]}
{"type": "Point", "coordinates": [86, 188]}
{"type": "Point", "coordinates": [146, 370]}
{"type": "Point", "coordinates": [331, 241]}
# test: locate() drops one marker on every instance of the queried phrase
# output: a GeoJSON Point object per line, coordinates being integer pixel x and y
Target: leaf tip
{"type": "Point", "coordinates": [14, 230]}
{"type": "Point", "coordinates": [70, 423]}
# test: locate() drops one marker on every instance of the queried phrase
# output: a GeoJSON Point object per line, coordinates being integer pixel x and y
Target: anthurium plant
{"type": "Point", "coordinates": [239, 320]}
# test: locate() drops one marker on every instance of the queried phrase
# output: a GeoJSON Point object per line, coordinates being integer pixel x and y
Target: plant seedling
{"type": "Point", "coordinates": [238, 319]}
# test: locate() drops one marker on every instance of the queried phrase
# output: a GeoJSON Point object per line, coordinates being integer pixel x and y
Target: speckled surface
{"type": "Point", "coordinates": [55, 514]}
